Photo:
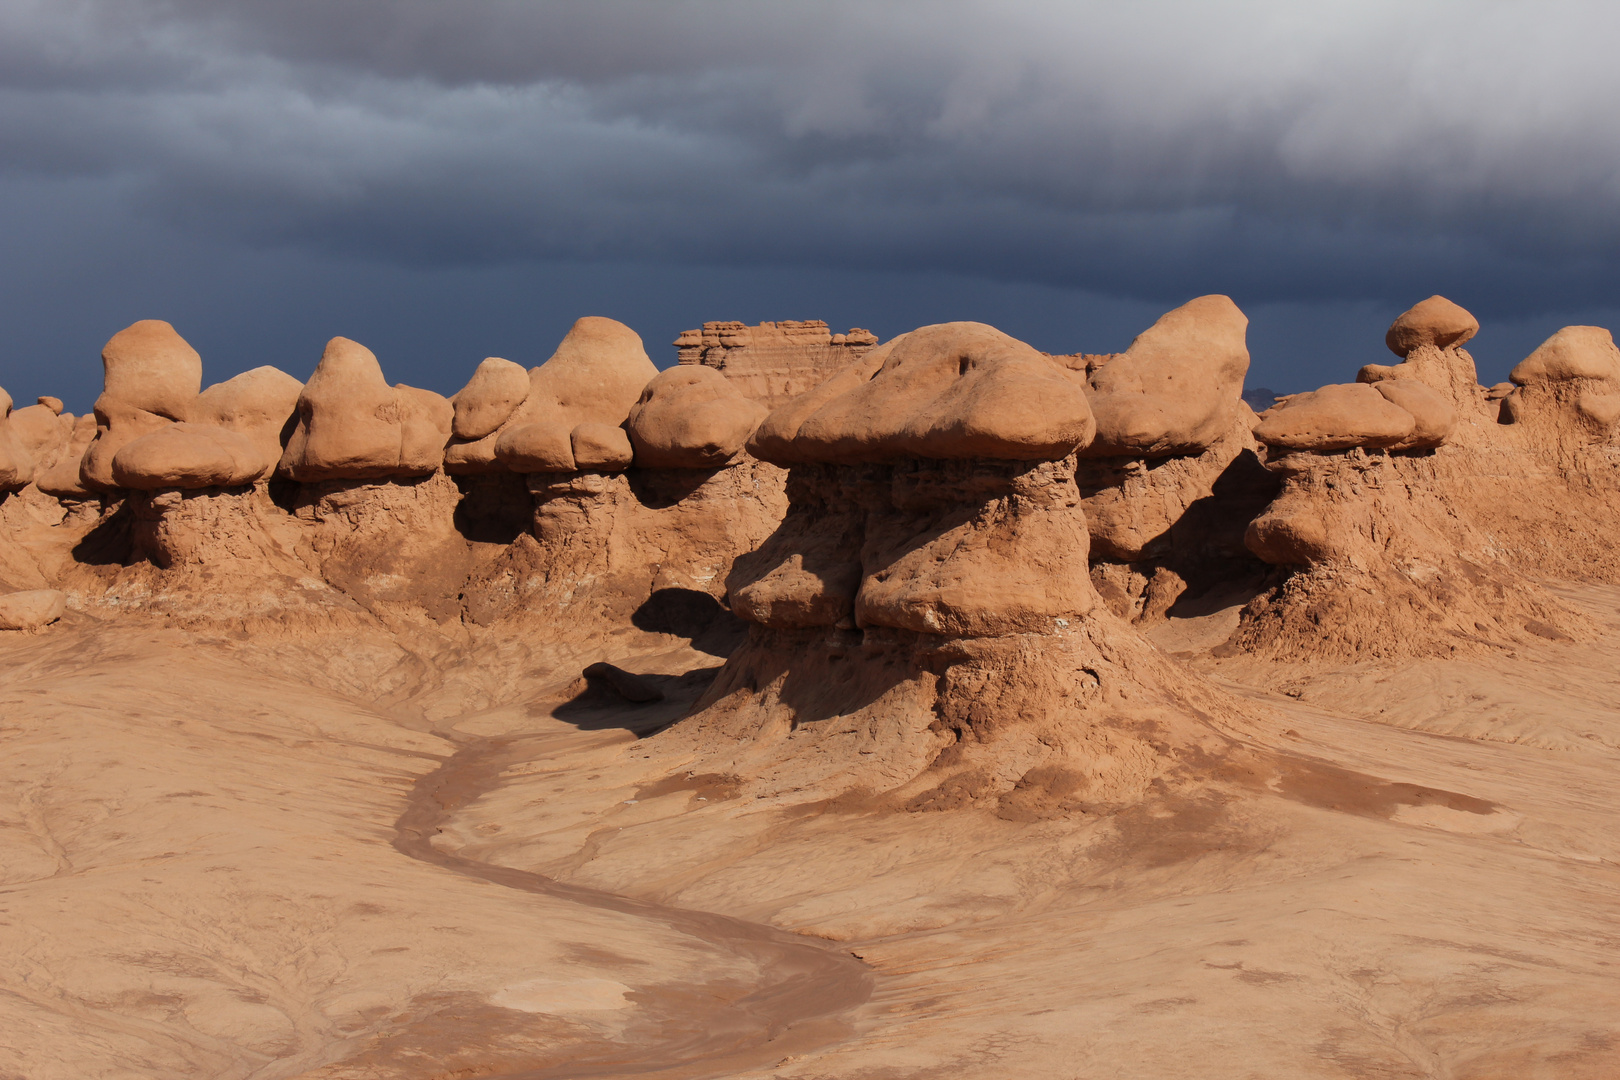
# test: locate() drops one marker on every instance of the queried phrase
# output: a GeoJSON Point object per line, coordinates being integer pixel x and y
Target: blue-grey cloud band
{"type": "Point", "coordinates": [1282, 152]}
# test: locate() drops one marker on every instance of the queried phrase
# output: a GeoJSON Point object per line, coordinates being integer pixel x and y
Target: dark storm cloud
{"type": "Point", "coordinates": [1279, 151]}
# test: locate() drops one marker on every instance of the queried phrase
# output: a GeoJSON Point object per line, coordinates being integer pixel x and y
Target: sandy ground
{"type": "Point", "coordinates": [212, 867]}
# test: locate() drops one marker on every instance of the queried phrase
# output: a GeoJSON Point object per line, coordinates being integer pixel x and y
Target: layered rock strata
{"type": "Point", "coordinates": [774, 361]}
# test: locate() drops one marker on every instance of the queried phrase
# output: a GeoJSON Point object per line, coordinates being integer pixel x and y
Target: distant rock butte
{"type": "Point", "coordinates": [774, 361]}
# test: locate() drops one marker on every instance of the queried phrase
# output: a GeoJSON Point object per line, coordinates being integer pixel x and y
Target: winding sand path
{"type": "Point", "coordinates": [794, 1012]}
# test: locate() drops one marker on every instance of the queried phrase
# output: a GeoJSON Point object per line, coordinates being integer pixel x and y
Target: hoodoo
{"type": "Point", "coordinates": [1385, 537]}
{"type": "Point", "coordinates": [923, 616]}
{"type": "Point", "coordinates": [1172, 477]}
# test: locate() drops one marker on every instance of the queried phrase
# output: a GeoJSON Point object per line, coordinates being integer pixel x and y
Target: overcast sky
{"type": "Point", "coordinates": [446, 180]}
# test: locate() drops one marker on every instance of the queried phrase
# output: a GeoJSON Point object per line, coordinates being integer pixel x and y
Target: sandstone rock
{"type": "Point", "coordinates": [31, 609]}
{"type": "Point", "coordinates": [1433, 416]}
{"type": "Point", "coordinates": [1192, 509]}
{"type": "Point", "coordinates": [1436, 321]}
{"type": "Point", "coordinates": [691, 417]}
{"type": "Point", "coordinates": [188, 455]}
{"type": "Point", "coordinates": [1575, 352]}
{"type": "Point", "coordinates": [772, 440]}
{"type": "Point", "coordinates": [1335, 417]}
{"type": "Point", "coordinates": [152, 368]}
{"type": "Point", "coordinates": [152, 377]}
{"type": "Point", "coordinates": [16, 463]}
{"type": "Point", "coordinates": [955, 390]}
{"type": "Point", "coordinates": [259, 405]}
{"type": "Point", "coordinates": [774, 362]}
{"type": "Point", "coordinates": [600, 448]}
{"type": "Point", "coordinates": [1176, 389]}
{"type": "Point", "coordinates": [594, 377]}
{"type": "Point", "coordinates": [490, 397]}
{"type": "Point", "coordinates": [62, 480]}
{"type": "Point", "coordinates": [627, 684]}
{"type": "Point", "coordinates": [42, 433]}
{"type": "Point", "coordinates": [1388, 558]}
{"type": "Point", "coordinates": [352, 425]}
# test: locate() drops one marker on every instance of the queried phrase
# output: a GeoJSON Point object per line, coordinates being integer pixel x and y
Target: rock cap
{"type": "Point", "coordinates": [1435, 321]}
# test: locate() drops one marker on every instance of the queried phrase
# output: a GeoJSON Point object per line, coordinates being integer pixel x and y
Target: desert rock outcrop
{"type": "Point", "coordinates": [594, 377]}
{"type": "Point", "coordinates": [775, 361]}
{"type": "Point", "coordinates": [951, 391]}
{"type": "Point", "coordinates": [1392, 544]}
{"type": "Point", "coordinates": [934, 557]}
{"type": "Point", "coordinates": [691, 417]}
{"type": "Point", "coordinates": [16, 463]}
{"type": "Point", "coordinates": [1567, 392]}
{"type": "Point", "coordinates": [353, 426]}
{"type": "Point", "coordinates": [152, 377]}
{"type": "Point", "coordinates": [1429, 339]}
{"type": "Point", "coordinates": [1394, 414]}
{"type": "Point", "coordinates": [1178, 386]}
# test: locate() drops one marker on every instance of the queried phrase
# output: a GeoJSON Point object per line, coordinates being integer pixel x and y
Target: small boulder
{"type": "Point", "coordinates": [691, 417]}
{"type": "Point", "coordinates": [1176, 389]}
{"type": "Point", "coordinates": [52, 403]}
{"type": "Point", "coordinates": [1436, 321]}
{"type": "Point", "coordinates": [627, 684]}
{"type": "Point", "coordinates": [1335, 417]}
{"type": "Point", "coordinates": [600, 448]}
{"type": "Point", "coordinates": [31, 609]}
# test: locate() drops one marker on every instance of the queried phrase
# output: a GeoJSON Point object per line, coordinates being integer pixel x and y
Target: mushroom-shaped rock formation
{"type": "Point", "coordinates": [152, 377]}
{"type": "Point", "coordinates": [1429, 339]}
{"type": "Point", "coordinates": [1172, 427]}
{"type": "Point", "coordinates": [1178, 386]}
{"type": "Point", "coordinates": [931, 573]}
{"type": "Point", "coordinates": [1567, 392]}
{"type": "Point", "coordinates": [16, 463]}
{"type": "Point", "coordinates": [947, 392]}
{"type": "Point", "coordinates": [594, 377]}
{"type": "Point", "coordinates": [353, 426]}
{"type": "Point", "coordinates": [1392, 543]}
{"type": "Point", "coordinates": [606, 542]}
{"type": "Point", "coordinates": [691, 417]}
{"type": "Point", "coordinates": [192, 498]}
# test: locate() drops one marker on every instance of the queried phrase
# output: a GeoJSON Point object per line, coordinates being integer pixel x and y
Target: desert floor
{"type": "Point", "coordinates": [219, 859]}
